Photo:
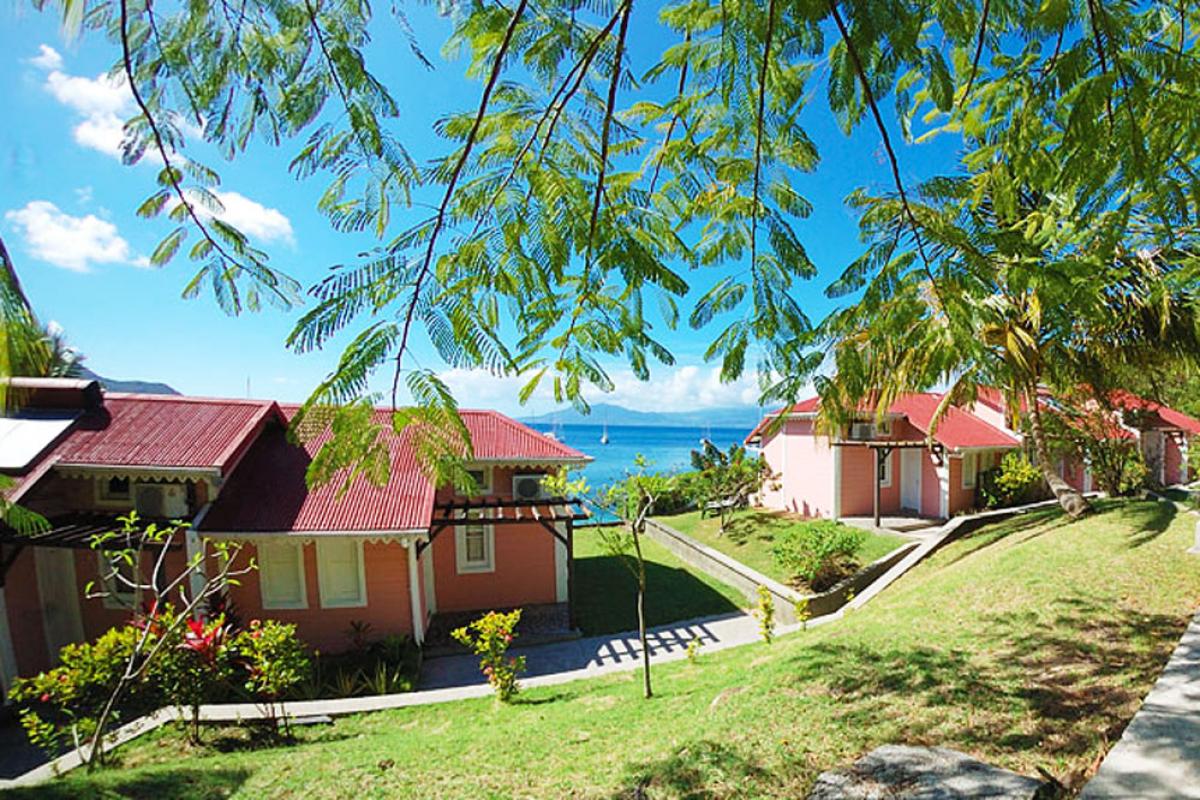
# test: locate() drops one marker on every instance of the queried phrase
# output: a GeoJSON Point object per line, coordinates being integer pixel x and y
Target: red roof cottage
{"type": "Point", "coordinates": [878, 467]}
{"type": "Point", "coordinates": [389, 556]}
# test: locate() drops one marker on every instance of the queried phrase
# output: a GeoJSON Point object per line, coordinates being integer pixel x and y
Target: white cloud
{"type": "Point", "coordinates": [102, 103]}
{"type": "Point", "coordinates": [73, 243]}
{"type": "Point", "coordinates": [83, 195]}
{"type": "Point", "coordinates": [688, 387]}
{"type": "Point", "coordinates": [254, 219]}
{"type": "Point", "coordinates": [47, 58]}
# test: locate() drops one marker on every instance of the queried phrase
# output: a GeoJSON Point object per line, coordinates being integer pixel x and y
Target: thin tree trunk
{"type": "Point", "coordinates": [1074, 503]}
{"type": "Point", "coordinates": [641, 612]}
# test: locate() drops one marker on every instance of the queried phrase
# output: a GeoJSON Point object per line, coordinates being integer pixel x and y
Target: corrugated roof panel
{"type": "Point", "coordinates": [163, 431]}
{"type": "Point", "coordinates": [268, 493]}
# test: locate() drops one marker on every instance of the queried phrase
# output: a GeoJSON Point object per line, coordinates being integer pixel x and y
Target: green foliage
{"type": "Point", "coordinates": [1082, 429]}
{"type": "Point", "coordinates": [390, 665]}
{"type": "Point", "coordinates": [818, 550]}
{"type": "Point", "coordinates": [764, 612]}
{"type": "Point", "coordinates": [275, 659]}
{"type": "Point", "coordinates": [726, 478]}
{"type": "Point", "coordinates": [1015, 482]}
{"type": "Point", "coordinates": [61, 707]}
{"type": "Point", "coordinates": [489, 637]}
{"type": "Point", "coordinates": [803, 612]}
{"type": "Point", "coordinates": [693, 649]}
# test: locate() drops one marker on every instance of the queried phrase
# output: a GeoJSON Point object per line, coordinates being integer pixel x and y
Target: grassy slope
{"type": "Point", "coordinates": [751, 535]}
{"type": "Point", "coordinates": [605, 599]}
{"type": "Point", "coordinates": [1028, 644]}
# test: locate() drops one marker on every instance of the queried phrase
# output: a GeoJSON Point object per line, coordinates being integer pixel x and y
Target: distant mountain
{"type": "Point", "coordinates": [132, 387]}
{"type": "Point", "coordinates": [734, 417]}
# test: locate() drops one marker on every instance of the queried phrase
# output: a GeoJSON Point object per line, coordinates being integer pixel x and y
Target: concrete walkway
{"type": "Point", "coordinates": [599, 654]}
{"type": "Point", "coordinates": [1158, 756]}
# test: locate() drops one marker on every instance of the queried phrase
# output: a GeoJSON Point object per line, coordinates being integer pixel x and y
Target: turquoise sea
{"type": "Point", "coordinates": [666, 449]}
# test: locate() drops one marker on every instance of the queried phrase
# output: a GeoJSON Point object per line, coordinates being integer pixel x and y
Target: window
{"type": "Point", "coordinates": [883, 428]}
{"type": "Point", "coordinates": [866, 431]}
{"type": "Point", "coordinates": [483, 479]}
{"type": "Point", "coordinates": [119, 591]}
{"type": "Point", "coordinates": [474, 546]}
{"type": "Point", "coordinates": [885, 469]}
{"type": "Point", "coordinates": [113, 491]}
{"type": "Point", "coordinates": [970, 467]}
{"type": "Point", "coordinates": [340, 574]}
{"type": "Point", "coordinates": [281, 575]}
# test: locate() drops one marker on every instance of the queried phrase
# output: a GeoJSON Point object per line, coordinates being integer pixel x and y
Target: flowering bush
{"type": "Point", "coordinates": [275, 662]}
{"type": "Point", "coordinates": [61, 707]}
{"type": "Point", "coordinates": [489, 637]}
{"type": "Point", "coordinates": [196, 666]}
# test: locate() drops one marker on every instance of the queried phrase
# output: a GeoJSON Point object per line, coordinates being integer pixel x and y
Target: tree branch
{"type": "Point", "coordinates": [451, 185]}
{"type": "Point", "coordinates": [987, 6]}
{"type": "Point", "coordinates": [758, 134]}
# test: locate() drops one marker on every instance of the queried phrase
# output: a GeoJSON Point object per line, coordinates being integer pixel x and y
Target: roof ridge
{"type": "Point", "coordinates": [186, 398]}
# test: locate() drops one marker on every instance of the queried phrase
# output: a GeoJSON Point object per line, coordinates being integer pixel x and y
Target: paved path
{"type": "Point", "coordinates": [599, 654]}
{"type": "Point", "coordinates": [1158, 756]}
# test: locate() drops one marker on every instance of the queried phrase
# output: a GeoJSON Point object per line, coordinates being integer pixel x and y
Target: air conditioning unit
{"type": "Point", "coordinates": [528, 487]}
{"type": "Point", "coordinates": [161, 500]}
{"type": "Point", "coordinates": [862, 431]}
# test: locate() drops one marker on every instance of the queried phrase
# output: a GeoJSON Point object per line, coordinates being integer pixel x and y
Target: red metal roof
{"type": "Point", "coordinates": [957, 429]}
{"type": "Point", "coordinates": [164, 431]}
{"type": "Point", "coordinates": [1170, 417]}
{"type": "Point", "coordinates": [268, 492]}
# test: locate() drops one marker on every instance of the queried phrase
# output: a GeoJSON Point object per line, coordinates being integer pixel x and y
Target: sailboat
{"type": "Point", "coordinates": [604, 434]}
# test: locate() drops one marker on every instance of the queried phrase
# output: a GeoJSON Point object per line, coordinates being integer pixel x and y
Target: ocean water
{"type": "Point", "coordinates": [666, 449]}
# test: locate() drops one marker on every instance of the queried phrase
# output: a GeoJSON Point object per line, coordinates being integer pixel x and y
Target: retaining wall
{"type": "Point", "coordinates": [746, 580]}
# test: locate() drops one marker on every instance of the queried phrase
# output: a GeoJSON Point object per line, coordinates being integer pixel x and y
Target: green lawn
{"type": "Point", "coordinates": [751, 534]}
{"type": "Point", "coordinates": [1028, 644]}
{"type": "Point", "coordinates": [605, 591]}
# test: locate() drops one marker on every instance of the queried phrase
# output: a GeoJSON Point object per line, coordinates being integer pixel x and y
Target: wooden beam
{"type": "Point", "coordinates": [571, 575]}
{"type": "Point", "coordinates": [878, 479]}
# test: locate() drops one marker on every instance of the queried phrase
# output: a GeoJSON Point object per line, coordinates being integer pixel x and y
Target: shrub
{"type": "Point", "coordinates": [276, 662]}
{"type": "Point", "coordinates": [489, 637]}
{"type": "Point", "coordinates": [61, 707]}
{"type": "Point", "coordinates": [818, 551]}
{"type": "Point", "coordinates": [1014, 482]}
{"type": "Point", "coordinates": [195, 667]}
{"type": "Point", "coordinates": [765, 613]}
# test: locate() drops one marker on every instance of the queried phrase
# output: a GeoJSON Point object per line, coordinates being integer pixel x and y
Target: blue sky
{"type": "Point", "coordinates": [67, 214]}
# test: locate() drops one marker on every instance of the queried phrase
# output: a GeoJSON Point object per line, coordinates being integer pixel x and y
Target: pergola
{"type": "Point", "coordinates": [70, 531]}
{"type": "Point", "coordinates": [549, 513]}
{"type": "Point", "coordinates": [882, 449]}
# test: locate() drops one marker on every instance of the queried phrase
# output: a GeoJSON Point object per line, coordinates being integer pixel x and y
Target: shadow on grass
{"type": "Point", "coordinates": [606, 596]}
{"type": "Point", "coordinates": [698, 769]}
{"type": "Point", "coordinates": [1039, 521]}
{"type": "Point", "coordinates": [1036, 688]}
{"type": "Point", "coordinates": [182, 783]}
{"type": "Point", "coordinates": [1150, 520]}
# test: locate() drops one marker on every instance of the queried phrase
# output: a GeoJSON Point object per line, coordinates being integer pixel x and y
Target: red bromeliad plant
{"type": "Point", "coordinates": [489, 637]}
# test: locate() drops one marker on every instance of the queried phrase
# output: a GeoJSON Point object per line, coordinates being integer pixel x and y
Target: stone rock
{"type": "Point", "coordinates": [900, 772]}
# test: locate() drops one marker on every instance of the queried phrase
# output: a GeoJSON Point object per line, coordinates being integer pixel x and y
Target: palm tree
{"type": "Point", "coordinates": [28, 347]}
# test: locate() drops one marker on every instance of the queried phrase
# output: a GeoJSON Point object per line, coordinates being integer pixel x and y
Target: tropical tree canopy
{"type": "Point", "coordinates": [578, 200]}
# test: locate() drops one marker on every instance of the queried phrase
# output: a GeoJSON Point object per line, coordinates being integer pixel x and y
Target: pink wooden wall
{"type": "Point", "coordinates": [805, 464]}
{"type": "Point", "coordinates": [25, 615]}
{"type": "Point", "coordinates": [388, 609]}
{"type": "Point", "coordinates": [1174, 462]}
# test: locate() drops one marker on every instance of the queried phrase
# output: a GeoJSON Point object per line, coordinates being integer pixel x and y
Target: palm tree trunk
{"type": "Point", "coordinates": [1074, 503]}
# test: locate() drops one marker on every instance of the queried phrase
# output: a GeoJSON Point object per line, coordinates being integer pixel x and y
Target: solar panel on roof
{"type": "Point", "coordinates": [25, 435]}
